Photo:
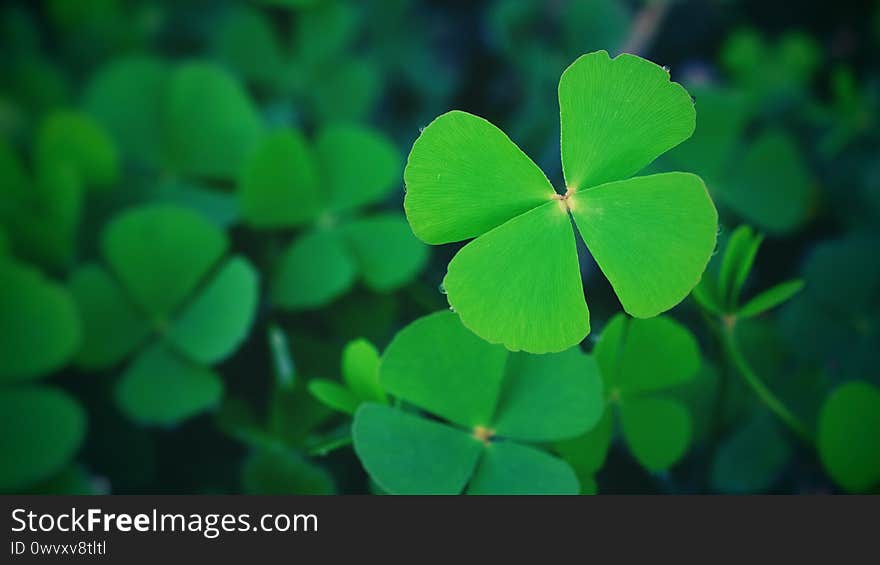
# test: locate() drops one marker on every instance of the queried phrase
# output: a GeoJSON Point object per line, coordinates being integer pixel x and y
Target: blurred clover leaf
{"type": "Point", "coordinates": [537, 39]}
{"type": "Point", "coordinates": [288, 183]}
{"type": "Point", "coordinates": [319, 66]}
{"type": "Point", "coordinates": [483, 407]}
{"type": "Point", "coordinates": [169, 300]}
{"type": "Point", "coordinates": [719, 290]}
{"type": "Point", "coordinates": [834, 321]}
{"type": "Point", "coordinates": [849, 424]}
{"type": "Point", "coordinates": [190, 126]}
{"type": "Point", "coordinates": [277, 470]}
{"type": "Point", "coordinates": [772, 75]}
{"type": "Point", "coordinates": [765, 179]}
{"type": "Point", "coordinates": [39, 324]}
{"type": "Point", "coordinates": [518, 283]}
{"type": "Point", "coordinates": [41, 209]}
{"type": "Point", "coordinates": [360, 373]}
{"type": "Point", "coordinates": [41, 429]}
{"type": "Point", "coordinates": [751, 459]}
{"type": "Point", "coordinates": [641, 362]}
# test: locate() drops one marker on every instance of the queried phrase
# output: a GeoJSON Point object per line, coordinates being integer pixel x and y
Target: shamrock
{"type": "Point", "coordinates": [640, 361]}
{"type": "Point", "coordinates": [168, 298]}
{"type": "Point", "coordinates": [847, 438]}
{"type": "Point", "coordinates": [41, 208]}
{"type": "Point", "coordinates": [189, 126]}
{"type": "Point", "coordinates": [39, 333]}
{"type": "Point", "coordinates": [518, 282]}
{"type": "Point", "coordinates": [288, 183]}
{"type": "Point", "coordinates": [490, 404]}
{"type": "Point", "coordinates": [360, 371]}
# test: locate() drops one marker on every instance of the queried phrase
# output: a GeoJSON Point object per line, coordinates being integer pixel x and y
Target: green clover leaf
{"type": "Point", "coordinates": [168, 297]}
{"type": "Point", "coordinates": [847, 437]}
{"type": "Point", "coordinates": [41, 429]}
{"type": "Point", "coordinates": [360, 373]}
{"type": "Point", "coordinates": [288, 183]}
{"type": "Point", "coordinates": [41, 208]}
{"type": "Point", "coordinates": [835, 319]}
{"type": "Point", "coordinates": [191, 125]}
{"type": "Point", "coordinates": [518, 283]}
{"type": "Point", "coordinates": [641, 362]}
{"type": "Point", "coordinates": [491, 405]}
{"type": "Point", "coordinates": [39, 326]}
{"type": "Point", "coordinates": [319, 66]}
{"type": "Point", "coordinates": [771, 75]}
{"type": "Point", "coordinates": [274, 469]}
{"type": "Point", "coordinates": [752, 458]}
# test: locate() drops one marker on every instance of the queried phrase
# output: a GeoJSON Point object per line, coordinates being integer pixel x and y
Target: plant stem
{"type": "Point", "coordinates": [760, 389]}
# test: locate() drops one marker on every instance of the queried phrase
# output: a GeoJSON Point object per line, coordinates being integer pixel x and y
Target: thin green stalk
{"type": "Point", "coordinates": [760, 389]}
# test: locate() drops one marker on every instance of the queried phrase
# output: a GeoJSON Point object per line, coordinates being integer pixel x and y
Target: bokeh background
{"type": "Point", "coordinates": [142, 125]}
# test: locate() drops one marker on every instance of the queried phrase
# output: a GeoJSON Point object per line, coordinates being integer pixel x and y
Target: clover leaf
{"type": "Point", "coordinates": [537, 40]}
{"type": "Point", "coordinates": [278, 470]}
{"type": "Point", "coordinates": [752, 458]}
{"type": "Point", "coordinates": [39, 325]}
{"type": "Point", "coordinates": [41, 208]}
{"type": "Point", "coordinates": [847, 436]}
{"type": "Point", "coordinates": [719, 290]}
{"type": "Point", "coordinates": [518, 283]}
{"type": "Point", "coordinates": [288, 183]}
{"type": "Point", "coordinates": [641, 362]}
{"type": "Point", "coordinates": [319, 66]}
{"type": "Point", "coordinates": [168, 298]}
{"type": "Point", "coordinates": [834, 321]}
{"type": "Point", "coordinates": [360, 372]}
{"type": "Point", "coordinates": [772, 75]}
{"type": "Point", "coordinates": [41, 429]}
{"type": "Point", "coordinates": [192, 124]}
{"type": "Point", "coordinates": [486, 407]}
{"type": "Point", "coordinates": [762, 178]}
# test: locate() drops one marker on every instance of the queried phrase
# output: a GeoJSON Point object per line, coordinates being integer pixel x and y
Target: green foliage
{"type": "Point", "coordinates": [41, 429]}
{"type": "Point", "coordinates": [360, 375]}
{"type": "Point", "coordinates": [167, 286]}
{"type": "Point", "coordinates": [512, 399]}
{"type": "Point", "coordinates": [39, 326]}
{"type": "Point", "coordinates": [41, 208]}
{"type": "Point", "coordinates": [640, 361]}
{"type": "Point", "coordinates": [847, 438]}
{"type": "Point", "coordinates": [834, 321]}
{"type": "Point", "coordinates": [752, 458]}
{"type": "Point", "coordinates": [465, 178]}
{"type": "Point", "coordinates": [719, 290]}
{"type": "Point", "coordinates": [148, 147]}
{"type": "Point", "coordinates": [287, 183]}
{"type": "Point", "coordinates": [276, 470]}
{"type": "Point", "coordinates": [763, 178]}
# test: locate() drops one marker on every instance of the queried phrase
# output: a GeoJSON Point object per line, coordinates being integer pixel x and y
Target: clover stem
{"type": "Point", "coordinates": [759, 388]}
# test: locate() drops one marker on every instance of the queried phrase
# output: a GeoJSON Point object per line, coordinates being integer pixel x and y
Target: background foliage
{"type": "Point", "coordinates": [207, 279]}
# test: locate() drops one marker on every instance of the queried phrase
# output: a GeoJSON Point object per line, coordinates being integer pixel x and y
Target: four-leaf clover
{"type": "Point", "coordinates": [518, 283]}
{"type": "Point", "coordinates": [482, 405]}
